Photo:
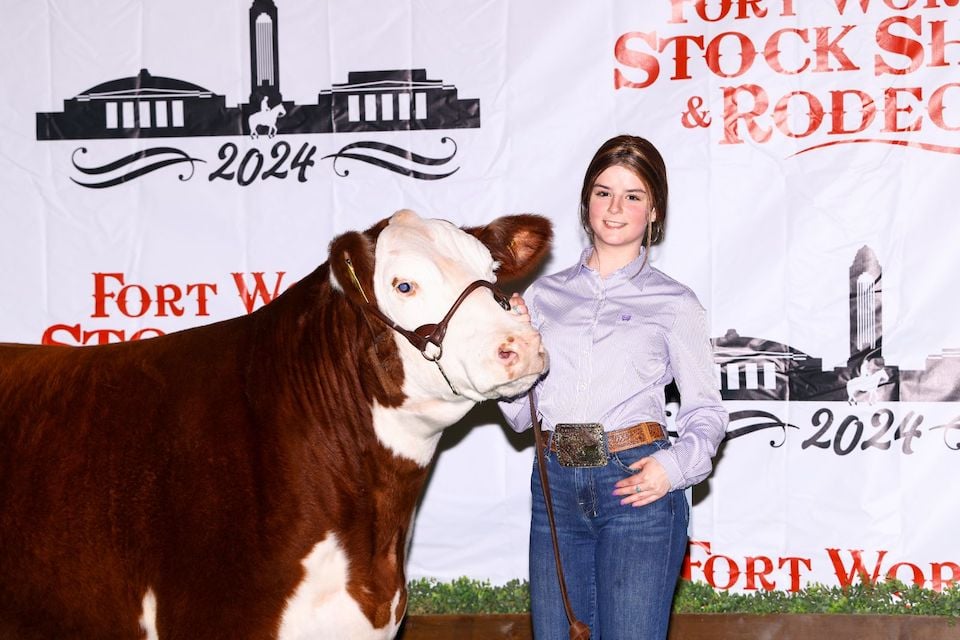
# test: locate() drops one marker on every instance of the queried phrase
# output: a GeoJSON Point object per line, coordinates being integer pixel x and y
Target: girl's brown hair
{"type": "Point", "coordinates": [640, 156]}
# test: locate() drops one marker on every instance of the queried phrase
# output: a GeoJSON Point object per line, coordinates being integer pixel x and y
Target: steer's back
{"type": "Point", "coordinates": [113, 462]}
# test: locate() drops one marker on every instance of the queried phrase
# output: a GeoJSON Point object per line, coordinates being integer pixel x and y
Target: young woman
{"type": "Point", "coordinates": [617, 331]}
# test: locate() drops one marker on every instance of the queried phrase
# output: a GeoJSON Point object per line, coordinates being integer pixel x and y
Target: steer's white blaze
{"type": "Point", "coordinates": [322, 609]}
{"type": "Point", "coordinates": [148, 616]}
{"type": "Point", "coordinates": [437, 261]}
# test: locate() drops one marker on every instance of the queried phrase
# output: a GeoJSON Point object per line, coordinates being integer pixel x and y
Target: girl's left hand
{"type": "Point", "coordinates": [649, 484]}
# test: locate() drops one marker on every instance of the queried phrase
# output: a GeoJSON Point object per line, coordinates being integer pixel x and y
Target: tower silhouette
{"type": "Point", "coordinates": [866, 307]}
{"type": "Point", "coordinates": [264, 54]}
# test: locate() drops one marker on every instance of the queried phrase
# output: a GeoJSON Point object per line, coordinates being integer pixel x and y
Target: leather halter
{"type": "Point", "coordinates": [430, 334]}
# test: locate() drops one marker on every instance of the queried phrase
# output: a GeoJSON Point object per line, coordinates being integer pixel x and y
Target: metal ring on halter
{"type": "Point", "coordinates": [432, 358]}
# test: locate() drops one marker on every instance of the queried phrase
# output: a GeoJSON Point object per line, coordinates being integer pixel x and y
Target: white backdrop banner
{"type": "Point", "coordinates": [170, 164]}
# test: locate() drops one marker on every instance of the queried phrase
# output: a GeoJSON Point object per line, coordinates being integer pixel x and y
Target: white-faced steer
{"type": "Point", "coordinates": [257, 477]}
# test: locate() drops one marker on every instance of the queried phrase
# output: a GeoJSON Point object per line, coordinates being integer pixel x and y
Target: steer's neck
{"type": "Point", "coordinates": [413, 430]}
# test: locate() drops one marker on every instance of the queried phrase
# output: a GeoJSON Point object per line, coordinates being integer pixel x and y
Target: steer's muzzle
{"type": "Point", "coordinates": [523, 358]}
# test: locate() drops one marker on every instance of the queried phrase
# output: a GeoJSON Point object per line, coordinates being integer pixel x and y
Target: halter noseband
{"type": "Point", "coordinates": [429, 334]}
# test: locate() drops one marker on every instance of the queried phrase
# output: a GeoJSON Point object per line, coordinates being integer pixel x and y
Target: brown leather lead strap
{"type": "Point", "coordinates": [578, 630]}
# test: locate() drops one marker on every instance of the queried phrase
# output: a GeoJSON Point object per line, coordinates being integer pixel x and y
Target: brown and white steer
{"type": "Point", "coordinates": [257, 477]}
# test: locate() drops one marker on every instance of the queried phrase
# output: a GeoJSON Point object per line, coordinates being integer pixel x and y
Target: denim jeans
{"type": "Point", "coordinates": [621, 563]}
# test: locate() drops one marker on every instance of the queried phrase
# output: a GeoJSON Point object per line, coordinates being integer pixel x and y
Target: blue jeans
{"type": "Point", "coordinates": [621, 563]}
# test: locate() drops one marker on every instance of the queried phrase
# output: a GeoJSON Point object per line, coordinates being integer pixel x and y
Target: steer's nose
{"type": "Point", "coordinates": [518, 349]}
{"type": "Point", "coordinates": [507, 355]}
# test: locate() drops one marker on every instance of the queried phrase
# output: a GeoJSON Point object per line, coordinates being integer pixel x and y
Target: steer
{"type": "Point", "coordinates": [257, 477]}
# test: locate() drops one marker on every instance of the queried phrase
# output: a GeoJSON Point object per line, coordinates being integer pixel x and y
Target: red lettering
{"type": "Point", "coordinates": [201, 289]}
{"type": "Point", "coordinates": [794, 564]}
{"type": "Point", "coordinates": [838, 111]}
{"type": "Point", "coordinates": [103, 336]}
{"type": "Point", "coordinates": [753, 574]}
{"type": "Point", "coordinates": [771, 51]}
{"type": "Point", "coordinates": [914, 570]}
{"type": "Point", "coordinates": [59, 333]}
{"type": "Point", "coordinates": [935, 107]}
{"type": "Point", "coordinates": [892, 109]}
{"type": "Point", "coordinates": [259, 289]}
{"type": "Point", "coordinates": [635, 59]}
{"type": "Point", "coordinates": [50, 336]}
{"type": "Point", "coordinates": [851, 111]}
{"type": "Point", "coordinates": [898, 45]}
{"type": "Point", "coordinates": [676, 12]}
{"type": "Point", "coordinates": [755, 569]}
{"type": "Point", "coordinates": [100, 294]}
{"type": "Point", "coordinates": [688, 563]}
{"type": "Point", "coordinates": [846, 577]}
{"type": "Point", "coordinates": [681, 54]}
{"type": "Point", "coordinates": [732, 114]}
{"type": "Point", "coordinates": [732, 572]}
{"type": "Point", "coordinates": [938, 581]}
{"type": "Point", "coordinates": [747, 54]}
{"type": "Point", "coordinates": [814, 113]}
{"type": "Point", "coordinates": [166, 296]}
{"type": "Point", "coordinates": [828, 54]}
{"type": "Point", "coordinates": [938, 43]}
{"type": "Point", "coordinates": [700, 6]}
{"type": "Point", "coordinates": [826, 47]}
{"type": "Point", "coordinates": [162, 299]}
{"type": "Point", "coordinates": [745, 9]}
{"type": "Point", "coordinates": [842, 5]}
{"type": "Point", "coordinates": [146, 332]}
{"type": "Point", "coordinates": [144, 300]}
{"type": "Point", "coordinates": [754, 5]}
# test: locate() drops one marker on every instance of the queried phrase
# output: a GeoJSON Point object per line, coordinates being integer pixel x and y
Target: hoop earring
{"type": "Point", "coordinates": [656, 231]}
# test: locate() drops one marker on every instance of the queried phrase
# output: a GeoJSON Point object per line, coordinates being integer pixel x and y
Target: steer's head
{"type": "Point", "coordinates": [421, 267]}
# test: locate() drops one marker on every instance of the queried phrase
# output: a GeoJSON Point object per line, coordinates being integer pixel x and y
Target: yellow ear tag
{"type": "Point", "coordinates": [356, 281]}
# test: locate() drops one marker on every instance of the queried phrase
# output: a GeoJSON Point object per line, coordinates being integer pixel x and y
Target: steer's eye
{"type": "Point", "coordinates": [406, 288]}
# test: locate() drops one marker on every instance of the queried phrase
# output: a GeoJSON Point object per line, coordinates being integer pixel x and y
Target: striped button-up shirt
{"type": "Point", "coordinates": [614, 344]}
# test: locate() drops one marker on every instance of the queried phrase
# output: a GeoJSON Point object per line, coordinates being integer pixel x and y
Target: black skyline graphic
{"type": "Point", "coordinates": [149, 106]}
{"type": "Point", "coordinates": [753, 368]}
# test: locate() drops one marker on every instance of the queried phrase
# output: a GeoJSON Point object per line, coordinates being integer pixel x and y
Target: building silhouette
{"type": "Point", "coordinates": [148, 106]}
{"type": "Point", "coordinates": [750, 368]}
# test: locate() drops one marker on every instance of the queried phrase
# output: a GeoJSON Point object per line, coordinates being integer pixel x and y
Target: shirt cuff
{"type": "Point", "coordinates": [669, 462]}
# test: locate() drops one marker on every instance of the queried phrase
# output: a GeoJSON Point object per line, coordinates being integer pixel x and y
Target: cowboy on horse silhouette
{"type": "Point", "coordinates": [266, 117]}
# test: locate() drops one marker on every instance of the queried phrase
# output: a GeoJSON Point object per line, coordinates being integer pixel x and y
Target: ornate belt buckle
{"type": "Point", "coordinates": [580, 445]}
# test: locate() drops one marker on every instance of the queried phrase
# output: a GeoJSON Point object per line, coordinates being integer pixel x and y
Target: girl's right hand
{"type": "Point", "coordinates": [519, 307]}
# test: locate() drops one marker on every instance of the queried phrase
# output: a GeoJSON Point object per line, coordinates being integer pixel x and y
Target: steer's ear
{"type": "Point", "coordinates": [519, 243]}
{"type": "Point", "coordinates": [351, 266]}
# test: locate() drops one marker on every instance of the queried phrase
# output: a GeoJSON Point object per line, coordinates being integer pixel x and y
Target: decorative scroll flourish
{"type": "Point", "coordinates": [949, 428]}
{"type": "Point", "coordinates": [414, 159]}
{"type": "Point", "coordinates": [938, 148]}
{"type": "Point", "coordinates": [759, 420]}
{"type": "Point", "coordinates": [129, 163]}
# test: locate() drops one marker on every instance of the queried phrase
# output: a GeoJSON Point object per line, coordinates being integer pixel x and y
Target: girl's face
{"type": "Point", "coordinates": [620, 207]}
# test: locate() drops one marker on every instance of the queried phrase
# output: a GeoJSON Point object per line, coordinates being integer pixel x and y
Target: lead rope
{"type": "Point", "coordinates": [578, 630]}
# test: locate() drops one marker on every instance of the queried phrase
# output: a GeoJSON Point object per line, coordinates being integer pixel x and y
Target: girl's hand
{"type": "Point", "coordinates": [648, 485]}
{"type": "Point", "coordinates": [519, 307]}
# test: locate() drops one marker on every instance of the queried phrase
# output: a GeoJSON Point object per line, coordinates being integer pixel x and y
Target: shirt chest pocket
{"type": "Point", "coordinates": [644, 346]}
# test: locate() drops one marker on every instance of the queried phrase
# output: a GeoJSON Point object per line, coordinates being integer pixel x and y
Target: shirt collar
{"type": "Point", "coordinates": [628, 271]}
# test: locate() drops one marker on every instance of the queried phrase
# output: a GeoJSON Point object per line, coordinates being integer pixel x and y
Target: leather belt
{"type": "Point", "coordinates": [629, 437]}
{"type": "Point", "coordinates": [635, 436]}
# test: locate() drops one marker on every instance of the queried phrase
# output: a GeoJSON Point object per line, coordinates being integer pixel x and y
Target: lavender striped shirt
{"type": "Point", "coordinates": [614, 345]}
